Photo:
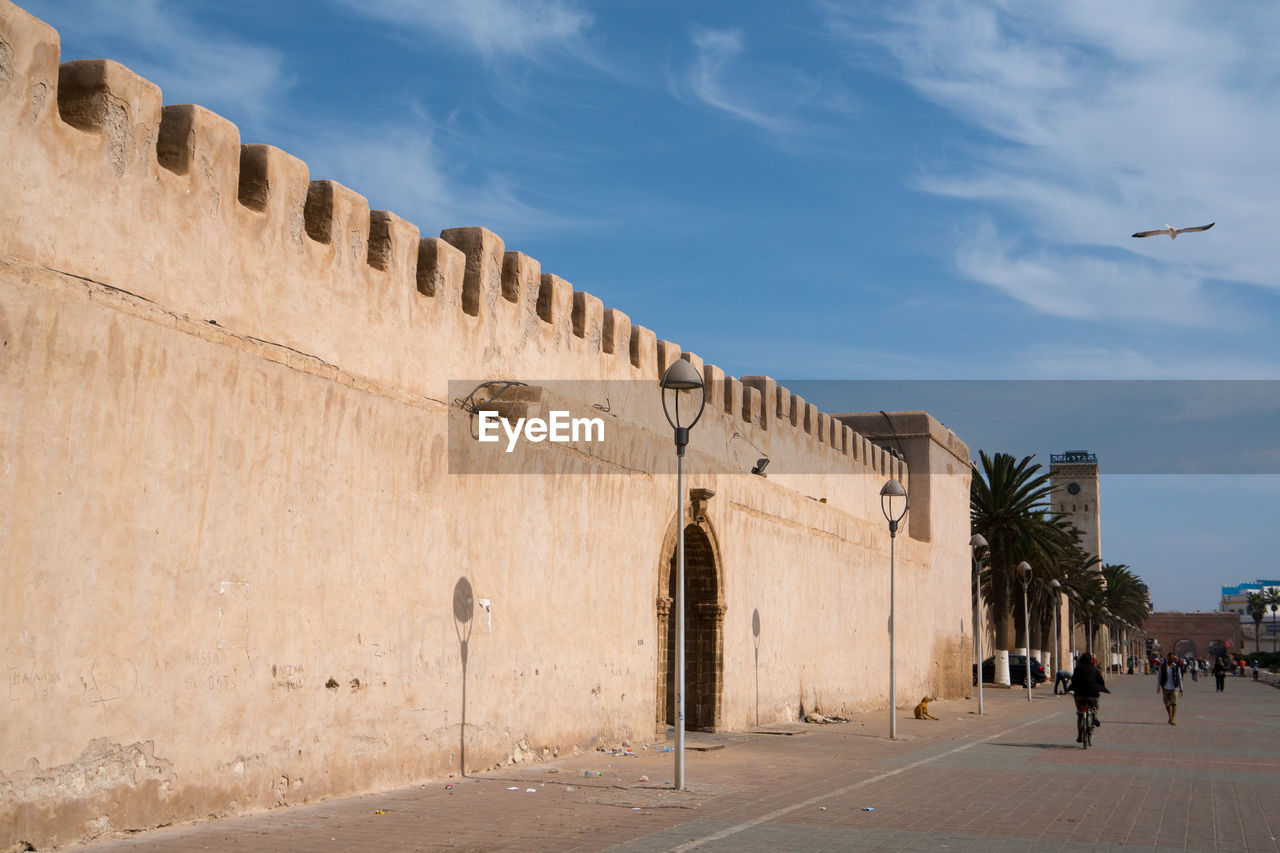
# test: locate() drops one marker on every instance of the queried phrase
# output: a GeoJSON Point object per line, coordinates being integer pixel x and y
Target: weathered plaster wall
{"type": "Point", "coordinates": [231, 544]}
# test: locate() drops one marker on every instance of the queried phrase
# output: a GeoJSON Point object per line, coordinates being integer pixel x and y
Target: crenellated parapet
{"type": "Point", "coordinates": [101, 180]}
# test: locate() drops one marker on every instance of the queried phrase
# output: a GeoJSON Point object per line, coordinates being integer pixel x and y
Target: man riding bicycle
{"type": "Point", "coordinates": [1087, 684]}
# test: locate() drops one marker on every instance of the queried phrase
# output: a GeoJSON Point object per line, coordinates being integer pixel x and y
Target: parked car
{"type": "Point", "coordinates": [1017, 670]}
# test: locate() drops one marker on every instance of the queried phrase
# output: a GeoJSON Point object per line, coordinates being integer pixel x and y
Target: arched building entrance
{"type": "Point", "coordinates": [704, 611]}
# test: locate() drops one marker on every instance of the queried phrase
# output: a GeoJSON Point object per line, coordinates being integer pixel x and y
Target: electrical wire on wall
{"type": "Point", "coordinates": [899, 452]}
{"type": "Point", "coordinates": [470, 405]}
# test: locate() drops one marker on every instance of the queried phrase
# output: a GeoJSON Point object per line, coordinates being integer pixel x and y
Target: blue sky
{"type": "Point", "coordinates": [908, 190]}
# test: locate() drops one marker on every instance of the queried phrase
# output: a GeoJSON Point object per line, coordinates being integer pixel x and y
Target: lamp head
{"type": "Point", "coordinates": [889, 493]}
{"type": "Point", "coordinates": [761, 464]}
{"type": "Point", "coordinates": [1024, 573]}
{"type": "Point", "coordinates": [1056, 584]}
{"type": "Point", "coordinates": [978, 541]}
{"type": "Point", "coordinates": [681, 377]}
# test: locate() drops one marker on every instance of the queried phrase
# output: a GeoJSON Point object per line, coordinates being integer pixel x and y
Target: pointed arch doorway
{"type": "Point", "coordinates": [704, 629]}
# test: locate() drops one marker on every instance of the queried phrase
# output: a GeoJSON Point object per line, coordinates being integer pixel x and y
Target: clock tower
{"type": "Point", "coordinates": [1074, 478]}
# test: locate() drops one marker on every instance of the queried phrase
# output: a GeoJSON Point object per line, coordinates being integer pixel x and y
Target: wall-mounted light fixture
{"type": "Point", "coordinates": [761, 464]}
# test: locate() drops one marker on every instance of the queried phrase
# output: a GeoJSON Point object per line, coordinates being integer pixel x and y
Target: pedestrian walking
{"type": "Point", "coordinates": [1220, 673]}
{"type": "Point", "coordinates": [1170, 685]}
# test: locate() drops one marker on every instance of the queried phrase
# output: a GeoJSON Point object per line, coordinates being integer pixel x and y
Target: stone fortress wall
{"type": "Point", "coordinates": [237, 570]}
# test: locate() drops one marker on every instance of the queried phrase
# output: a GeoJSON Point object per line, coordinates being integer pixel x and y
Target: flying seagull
{"type": "Point", "coordinates": [1174, 232]}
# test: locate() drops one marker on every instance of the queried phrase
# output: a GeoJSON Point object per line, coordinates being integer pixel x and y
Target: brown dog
{"type": "Point", "coordinates": [922, 710]}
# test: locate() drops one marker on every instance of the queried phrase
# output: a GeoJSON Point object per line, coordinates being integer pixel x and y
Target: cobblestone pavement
{"type": "Point", "coordinates": [1011, 779]}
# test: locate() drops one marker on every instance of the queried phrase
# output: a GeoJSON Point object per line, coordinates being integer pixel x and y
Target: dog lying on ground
{"type": "Point", "coordinates": [922, 710]}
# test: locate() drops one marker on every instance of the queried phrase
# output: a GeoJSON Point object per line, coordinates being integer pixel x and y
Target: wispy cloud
{"type": "Point", "coordinates": [1072, 282]}
{"type": "Point", "coordinates": [191, 63]}
{"type": "Point", "coordinates": [493, 29]}
{"type": "Point", "coordinates": [412, 168]}
{"type": "Point", "coordinates": [425, 171]}
{"type": "Point", "coordinates": [1058, 361]}
{"type": "Point", "coordinates": [1099, 119]}
{"type": "Point", "coordinates": [719, 76]}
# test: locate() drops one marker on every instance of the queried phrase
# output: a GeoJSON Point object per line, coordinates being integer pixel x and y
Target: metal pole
{"type": "Point", "coordinates": [1026, 649]}
{"type": "Point", "coordinates": [893, 669]}
{"type": "Point", "coordinates": [1089, 618]}
{"type": "Point", "coordinates": [1057, 644]}
{"type": "Point", "coordinates": [679, 685]}
{"type": "Point", "coordinates": [977, 627]}
{"type": "Point", "coordinates": [1071, 632]}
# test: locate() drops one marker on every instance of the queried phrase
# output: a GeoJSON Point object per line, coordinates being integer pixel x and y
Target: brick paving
{"type": "Point", "coordinates": [1012, 779]}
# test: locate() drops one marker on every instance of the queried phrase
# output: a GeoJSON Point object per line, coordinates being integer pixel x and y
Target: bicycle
{"type": "Point", "coordinates": [1085, 724]}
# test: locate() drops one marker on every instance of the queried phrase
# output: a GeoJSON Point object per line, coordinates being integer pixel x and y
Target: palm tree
{"type": "Point", "coordinates": [1257, 607]}
{"type": "Point", "coordinates": [1126, 595]}
{"type": "Point", "coordinates": [1084, 578]}
{"type": "Point", "coordinates": [1008, 505]}
{"type": "Point", "coordinates": [1272, 597]}
{"type": "Point", "coordinates": [1071, 567]}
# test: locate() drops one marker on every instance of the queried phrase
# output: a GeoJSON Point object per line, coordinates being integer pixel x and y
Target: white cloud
{"type": "Point", "coordinates": [409, 165]}
{"type": "Point", "coordinates": [1072, 282]}
{"type": "Point", "coordinates": [719, 77]}
{"type": "Point", "coordinates": [1099, 119]}
{"type": "Point", "coordinates": [1059, 361]}
{"type": "Point", "coordinates": [400, 167]}
{"type": "Point", "coordinates": [190, 63]}
{"type": "Point", "coordinates": [494, 29]}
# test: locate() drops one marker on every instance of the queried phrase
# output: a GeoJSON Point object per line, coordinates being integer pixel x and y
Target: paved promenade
{"type": "Point", "coordinates": [1012, 779]}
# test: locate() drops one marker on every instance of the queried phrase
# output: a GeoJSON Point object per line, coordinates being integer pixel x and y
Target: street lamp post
{"type": "Point", "coordinates": [1274, 608]}
{"type": "Point", "coordinates": [680, 378]}
{"type": "Point", "coordinates": [1088, 615]}
{"type": "Point", "coordinates": [975, 544]}
{"type": "Point", "coordinates": [1113, 644]}
{"type": "Point", "coordinates": [1056, 586]}
{"type": "Point", "coordinates": [1107, 621]}
{"type": "Point", "coordinates": [1128, 648]}
{"type": "Point", "coordinates": [1024, 575]}
{"type": "Point", "coordinates": [1122, 646]}
{"type": "Point", "coordinates": [1073, 599]}
{"type": "Point", "coordinates": [1113, 633]}
{"type": "Point", "coordinates": [892, 490]}
{"type": "Point", "coordinates": [1104, 624]}
{"type": "Point", "coordinates": [1122, 635]}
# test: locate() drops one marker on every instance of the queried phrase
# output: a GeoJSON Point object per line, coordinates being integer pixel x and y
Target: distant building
{"type": "Point", "coordinates": [1194, 635]}
{"type": "Point", "coordinates": [1074, 478]}
{"type": "Point", "coordinates": [1075, 495]}
{"type": "Point", "coordinates": [1235, 599]}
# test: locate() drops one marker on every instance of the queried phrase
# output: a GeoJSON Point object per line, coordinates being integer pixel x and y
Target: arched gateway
{"type": "Point", "coordinates": [704, 611]}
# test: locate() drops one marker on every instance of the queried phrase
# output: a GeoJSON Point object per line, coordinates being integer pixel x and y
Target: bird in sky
{"type": "Point", "coordinates": [1174, 232]}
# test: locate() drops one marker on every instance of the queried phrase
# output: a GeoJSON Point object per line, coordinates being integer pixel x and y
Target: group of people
{"type": "Point", "coordinates": [1221, 667]}
{"type": "Point", "coordinates": [1087, 684]}
{"type": "Point", "coordinates": [1086, 681]}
